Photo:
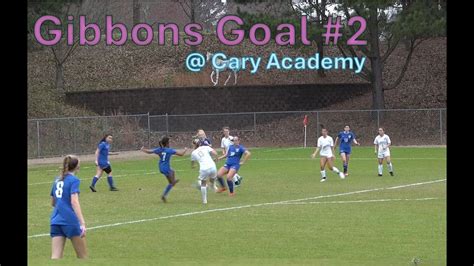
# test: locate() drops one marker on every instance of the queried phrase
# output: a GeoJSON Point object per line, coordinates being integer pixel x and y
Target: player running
{"type": "Point", "coordinates": [382, 143]}
{"type": "Point", "coordinates": [232, 165]}
{"type": "Point", "coordinates": [165, 153]}
{"type": "Point", "coordinates": [347, 137]}
{"type": "Point", "coordinates": [226, 141]}
{"type": "Point", "coordinates": [207, 166]}
{"type": "Point", "coordinates": [326, 145]}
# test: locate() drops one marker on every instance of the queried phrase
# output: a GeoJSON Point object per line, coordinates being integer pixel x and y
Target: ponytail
{"type": "Point", "coordinates": [66, 161]}
{"type": "Point", "coordinates": [70, 163]}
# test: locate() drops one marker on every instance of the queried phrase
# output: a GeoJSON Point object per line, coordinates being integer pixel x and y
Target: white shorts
{"type": "Point", "coordinates": [383, 153]}
{"type": "Point", "coordinates": [327, 155]}
{"type": "Point", "coordinates": [207, 173]}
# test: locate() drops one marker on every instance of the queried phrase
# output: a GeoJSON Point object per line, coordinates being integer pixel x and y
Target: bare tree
{"type": "Point", "coordinates": [94, 10]}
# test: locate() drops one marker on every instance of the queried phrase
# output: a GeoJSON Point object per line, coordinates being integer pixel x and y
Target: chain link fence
{"type": "Point", "coordinates": [80, 135]}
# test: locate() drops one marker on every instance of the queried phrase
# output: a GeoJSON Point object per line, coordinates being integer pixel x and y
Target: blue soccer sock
{"type": "Point", "coordinates": [167, 189]}
{"type": "Point", "coordinates": [94, 180]}
{"type": "Point", "coordinates": [221, 181]}
{"type": "Point", "coordinates": [230, 183]}
{"type": "Point", "coordinates": [110, 180]}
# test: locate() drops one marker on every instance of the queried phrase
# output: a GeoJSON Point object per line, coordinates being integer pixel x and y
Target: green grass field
{"type": "Point", "coordinates": [281, 214]}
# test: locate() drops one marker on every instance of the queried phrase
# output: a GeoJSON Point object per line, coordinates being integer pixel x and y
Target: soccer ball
{"type": "Point", "coordinates": [237, 180]}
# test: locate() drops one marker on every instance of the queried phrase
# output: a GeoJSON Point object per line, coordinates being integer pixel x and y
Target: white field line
{"type": "Point", "coordinates": [250, 206]}
{"type": "Point", "coordinates": [356, 201]}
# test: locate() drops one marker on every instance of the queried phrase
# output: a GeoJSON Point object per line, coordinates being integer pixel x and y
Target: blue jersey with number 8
{"type": "Point", "coordinates": [63, 213]}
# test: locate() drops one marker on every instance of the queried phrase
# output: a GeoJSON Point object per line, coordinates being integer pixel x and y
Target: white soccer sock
{"type": "Point", "coordinates": [390, 167]}
{"type": "Point", "coordinates": [204, 194]}
{"type": "Point", "coordinates": [335, 170]}
{"type": "Point", "coordinates": [380, 169]}
{"type": "Point", "coordinates": [323, 173]}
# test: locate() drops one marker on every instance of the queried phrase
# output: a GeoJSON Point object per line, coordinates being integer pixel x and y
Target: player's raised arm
{"type": "Point", "coordinates": [246, 157]}
{"type": "Point", "coordinates": [182, 152]}
{"type": "Point", "coordinates": [149, 151]}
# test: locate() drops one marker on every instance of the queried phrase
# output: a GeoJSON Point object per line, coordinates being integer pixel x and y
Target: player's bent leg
{"type": "Point", "coordinates": [230, 180]}
{"type": "Point", "coordinates": [334, 169]}
{"type": "Point", "coordinates": [98, 175]}
{"type": "Point", "coordinates": [389, 165]}
{"type": "Point", "coordinates": [171, 183]}
{"type": "Point", "coordinates": [79, 244]}
{"type": "Point", "coordinates": [110, 179]}
{"type": "Point", "coordinates": [222, 171]}
{"type": "Point", "coordinates": [57, 247]}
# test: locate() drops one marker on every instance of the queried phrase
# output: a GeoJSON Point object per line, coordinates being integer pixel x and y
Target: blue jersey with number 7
{"type": "Point", "coordinates": [165, 156]}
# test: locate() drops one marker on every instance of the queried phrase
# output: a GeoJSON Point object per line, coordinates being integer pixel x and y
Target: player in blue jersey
{"type": "Point", "coordinates": [232, 164]}
{"type": "Point", "coordinates": [66, 219]}
{"type": "Point", "coordinates": [203, 140]}
{"type": "Point", "coordinates": [102, 162]}
{"type": "Point", "coordinates": [165, 153]}
{"type": "Point", "coordinates": [347, 137]}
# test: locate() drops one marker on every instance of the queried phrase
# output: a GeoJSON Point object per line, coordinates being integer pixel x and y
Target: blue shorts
{"type": "Point", "coordinates": [68, 231]}
{"type": "Point", "coordinates": [106, 167]}
{"type": "Point", "coordinates": [346, 151]}
{"type": "Point", "coordinates": [235, 166]}
{"type": "Point", "coordinates": [167, 172]}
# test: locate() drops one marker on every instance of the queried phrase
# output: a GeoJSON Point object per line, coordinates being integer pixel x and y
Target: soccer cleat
{"type": "Point", "coordinates": [113, 189]}
{"type": "Point", "coordinates": [92, 188]}
{"type": "Point", "coordinates": [222, 189]}
{"type": "Point", "coordinates": [322, 179]}
{"type": "Point", "coordinates": [204, 202]}
{"type": "Point", "coordinates": [391, 173]}
{"type": "Point", "coordinates": [215, 188]}
{"type": "Point", "coordinates": [231, 194]}
{"type": "Point", "coordinates": [380, 174]}
{"type": "Point", "coordinates": [346, 174]}
{"type": "Point", "coordinates": [341, 175]}
{"type": "Point", "coordinates": [163, 198]}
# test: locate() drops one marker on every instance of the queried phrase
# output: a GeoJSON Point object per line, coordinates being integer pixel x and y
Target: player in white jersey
{"type": "Point", "coordinates": [382, 143]}
{"type": "Point", "coordinates": [226, 141]}
{"type": "Point", "coordinates": [326, 148]}
{"type": "Point", "coordinates": [207, 166]}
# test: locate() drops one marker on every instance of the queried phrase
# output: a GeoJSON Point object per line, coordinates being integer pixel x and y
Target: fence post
{"type": "Point", "coordinates": [167, 125]}
{"type": "Point", "coordinates": [38, 137]}
{"type": "Point", "coordinates": [254, 122]}
{"type": "Point", "coordinates": [441, 125]}
{"type": "Point", "coordinates": [378, 119]}
{"type": "Point", "coordinates": [149, 130]}
{"type": "Point", "coordinates": [74, 134]}
{"type": "Point", "coordinates": [317, 124]}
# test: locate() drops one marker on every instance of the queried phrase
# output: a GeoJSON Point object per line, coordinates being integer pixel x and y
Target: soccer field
{"type": "Point", "coordinates": [281, 214]}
